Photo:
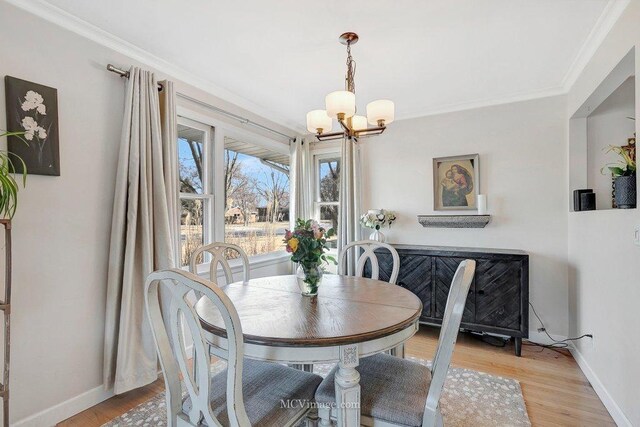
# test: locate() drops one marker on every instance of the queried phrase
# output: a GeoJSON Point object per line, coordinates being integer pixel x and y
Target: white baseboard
{"type": "Point", "coordinates": [614, 410]}
{"type": "Point", "coordinates": [53, 415]}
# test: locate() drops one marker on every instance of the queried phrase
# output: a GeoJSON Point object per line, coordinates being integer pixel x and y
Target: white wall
{"type": "Point", "coordinates": [604, 263]}
{"type": "Point", "coordinates": [522, 149]}
{"type": "Point", "coordinates": [61, 230]}
{"type": "Point", "coordinates": [607, 125]}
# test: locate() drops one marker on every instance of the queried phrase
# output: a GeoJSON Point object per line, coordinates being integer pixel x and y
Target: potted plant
{"type": "Point", "coordinates": [8, 184]}
{"type": "Point", "coordinates": [375, 219]}
{"type": "Point", "coordinates": [307, 244]}
{"type": "Point", "coordinates": [624, 175]}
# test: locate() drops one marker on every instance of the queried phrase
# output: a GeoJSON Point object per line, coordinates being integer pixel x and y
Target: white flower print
{"type": "Point", "coordinates": [32, 129]}
{"type": "Point", "coordinates": [34, 101]}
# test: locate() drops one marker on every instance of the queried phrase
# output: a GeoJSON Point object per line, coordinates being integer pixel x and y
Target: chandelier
{"type": "Point", "coordinates": [341, 105]}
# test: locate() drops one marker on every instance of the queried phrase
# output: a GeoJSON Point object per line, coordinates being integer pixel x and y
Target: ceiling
{"type": "Point", "coordinates": [280, 58]}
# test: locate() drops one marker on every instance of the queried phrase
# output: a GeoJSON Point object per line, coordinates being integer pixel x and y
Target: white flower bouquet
{"type": "Point", "coordinates": [376, 219]}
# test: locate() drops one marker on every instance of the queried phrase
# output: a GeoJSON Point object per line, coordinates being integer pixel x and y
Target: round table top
{"type": "Point", "coordinates": [346, 310]}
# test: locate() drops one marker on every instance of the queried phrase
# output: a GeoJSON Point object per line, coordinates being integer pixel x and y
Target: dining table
{"type": "Point", "coordinates": [350, 318]}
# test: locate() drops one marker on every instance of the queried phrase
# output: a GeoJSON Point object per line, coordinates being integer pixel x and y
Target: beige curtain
{"type": "Point", "coordinates": [301, 172]}
{"type": "Point", "coordinates": [350, 194]}
{"type": "Point", "coordinates": [142, 232]}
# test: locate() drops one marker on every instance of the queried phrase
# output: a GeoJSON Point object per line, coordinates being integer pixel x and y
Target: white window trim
{"type": "Point", "coordinates": [331, 152]}
{"type": "Point", "coordinates": [317, 158]}
{"type": "Point", "coordinates": [207, 181]}
{"type": "Point", "coordinates": [220, 130]}
{"type": "Point", "coordinates": [255, 262]}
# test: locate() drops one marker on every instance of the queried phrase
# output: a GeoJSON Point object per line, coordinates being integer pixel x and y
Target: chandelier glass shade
{"type": "Point", "coordinates": [319, 122]}
{"type": "Point", "coordinates": [341, 105]}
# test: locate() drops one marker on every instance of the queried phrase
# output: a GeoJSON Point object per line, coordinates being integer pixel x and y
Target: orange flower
{"type": "Point", "coordinates": [293, 244]}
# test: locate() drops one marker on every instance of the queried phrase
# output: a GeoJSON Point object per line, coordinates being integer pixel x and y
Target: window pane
{"type": "Point", "coordinates": [329, 219]}
{"type": "Point", "coordinates": [329, 171]}
{"type": "Point", "coordinates": [190, 161]}
{"type": "Point", "coordinates": [191, 229]}
{"type": "Point", "coordinates": [257, 197]}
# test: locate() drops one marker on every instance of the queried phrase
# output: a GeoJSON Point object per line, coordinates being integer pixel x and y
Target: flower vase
{"type": "Point", "coordinates": [625, 192]}
{"type": "Point", "coordinates": [309, 278]}
{"type": "Point", "coordinates": [377, 236]}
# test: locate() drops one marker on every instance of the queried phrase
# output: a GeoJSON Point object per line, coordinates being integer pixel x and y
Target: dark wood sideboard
{"type": "Point", "coordinates": [499, 296]}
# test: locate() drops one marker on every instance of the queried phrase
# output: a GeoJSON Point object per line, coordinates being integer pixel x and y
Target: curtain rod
{"type": "Point", "coordinates": [243, 120]}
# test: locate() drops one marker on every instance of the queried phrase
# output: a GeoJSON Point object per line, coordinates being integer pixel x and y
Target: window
{"type": "Point", "coordinates": [194, 169]}
{"type": "Point", "coordinates": [328, 192]}
{"type": "Point", "coordinates": [256, 183]}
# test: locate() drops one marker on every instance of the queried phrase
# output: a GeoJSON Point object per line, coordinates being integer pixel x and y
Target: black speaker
{"type": "Point", "coordinates": [588, 201]}
{"type": "Point", "coordinates": [576, 198]}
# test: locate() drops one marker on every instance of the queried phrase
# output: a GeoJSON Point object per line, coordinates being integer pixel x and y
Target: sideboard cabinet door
{"type": "Point", "coordinates": [445, 269]}
{"type": "Point", "coordinates": [498, 293]}
{"type": "Point", "coordinates": [415, 275]}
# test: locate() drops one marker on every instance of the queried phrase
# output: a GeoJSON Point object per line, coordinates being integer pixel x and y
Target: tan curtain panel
{"type": "Point", "coordinates": [301, 181]}
{"type": "Point", "coordinates": [350, 204]}
{"type": "Point", "coordinates": [143, 230]}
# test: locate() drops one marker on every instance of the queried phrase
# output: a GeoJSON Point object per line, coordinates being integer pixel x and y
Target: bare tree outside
{"type": "Point", "coordinates": [257, 203]}
{"type": "Point", "coordinates": [274, 189]}
{"type": "Point", "coordinates": [231, 168]}
{"type": "Point", "coordinates": [330, 191]}
{"type": "Point", "coordinates": [256, 197]}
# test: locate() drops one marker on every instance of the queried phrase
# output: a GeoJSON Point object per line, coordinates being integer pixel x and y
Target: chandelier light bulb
{"type": "Point", "coordinates": [380, 112]}
{"type": "Point", "coordinates": [341, 104]}
{"type": "Point", "coordinates": [319, 122]}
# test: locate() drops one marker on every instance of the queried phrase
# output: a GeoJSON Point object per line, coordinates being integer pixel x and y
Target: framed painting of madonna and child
{"type": "Point", "coordinates": [456, 182]}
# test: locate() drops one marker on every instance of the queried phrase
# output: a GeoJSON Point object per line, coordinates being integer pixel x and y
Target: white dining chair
{"type": "Point", "coordinates": [368, 248]}
{"type": "Point", "coordinates": [247, 392]}
{"type": "Point", "coordinates": [219, 252]}
{"type": "Point", "coordinates": [399, 392]}
{"type": "Point", "coordinates": [368, 253]}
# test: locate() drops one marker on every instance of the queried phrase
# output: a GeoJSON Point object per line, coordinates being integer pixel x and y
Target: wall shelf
{"type": "Point", "coordinates": [454, 221]}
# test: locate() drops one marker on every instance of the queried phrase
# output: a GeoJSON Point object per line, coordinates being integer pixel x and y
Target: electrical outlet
{"type": "Point", "coordinates": [636, 235]}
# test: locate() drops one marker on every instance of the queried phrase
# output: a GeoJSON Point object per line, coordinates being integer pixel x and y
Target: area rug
{"type": "Point", "coordinates": [470, 398]}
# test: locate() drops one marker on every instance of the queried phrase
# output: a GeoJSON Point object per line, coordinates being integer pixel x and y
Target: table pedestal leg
{"type": "Point", "coordinates": [347, 383]}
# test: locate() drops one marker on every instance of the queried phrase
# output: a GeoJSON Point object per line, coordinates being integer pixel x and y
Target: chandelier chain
{"type": "Point", "coordinates": [350, 83]}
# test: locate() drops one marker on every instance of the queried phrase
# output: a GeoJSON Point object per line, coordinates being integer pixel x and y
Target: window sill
{"type": "Point", "coordinates": [256, 261]}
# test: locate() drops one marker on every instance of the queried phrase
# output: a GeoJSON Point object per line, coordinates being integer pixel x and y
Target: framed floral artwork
{"type": "Point", "coordinates": [456, 182]}
{"type": "Point", "coordinates": [33, 109]}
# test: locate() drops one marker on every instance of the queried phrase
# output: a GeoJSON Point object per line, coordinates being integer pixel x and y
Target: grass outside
{"type": "Point", "coordinates": [255, 239]}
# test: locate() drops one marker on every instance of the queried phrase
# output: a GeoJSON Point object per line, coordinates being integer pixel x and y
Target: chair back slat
{"type": "Point", "coordinates": [171, 347]}
{"type": "Point", "coordinates": [218, 252]}
{"type": "Point", "coordinates": [368, 247]}
{"type": "Point", "coordinates": [454, 310]}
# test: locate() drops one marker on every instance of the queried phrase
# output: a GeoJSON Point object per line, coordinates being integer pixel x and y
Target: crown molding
{"type": "Point", "coordinates": [609, 16]}
{"type": "Point", "coordinates": [487, 102]}
{"type": "Point", "coordinates": [72, 23]}
{"type": "Point", "coordinates": [41, 8]}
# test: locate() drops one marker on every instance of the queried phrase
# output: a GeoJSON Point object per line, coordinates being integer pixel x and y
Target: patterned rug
{"type": "Point", "coordinates": [470, 398]}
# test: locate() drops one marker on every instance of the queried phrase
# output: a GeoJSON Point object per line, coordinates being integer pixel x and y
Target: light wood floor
{"type": "Point", "coordinates": [555, 390]}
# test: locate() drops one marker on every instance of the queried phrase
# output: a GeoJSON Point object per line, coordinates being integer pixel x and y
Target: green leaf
{"type": "Point", "coordinates": [616, 171]}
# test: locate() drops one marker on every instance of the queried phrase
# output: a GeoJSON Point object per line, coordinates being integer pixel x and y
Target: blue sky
{"type": "Point", "coordinates": [251, 165]}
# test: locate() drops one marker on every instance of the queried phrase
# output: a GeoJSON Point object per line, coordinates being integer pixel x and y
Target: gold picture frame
{"type": "Point", "coordinates": [456, 182]}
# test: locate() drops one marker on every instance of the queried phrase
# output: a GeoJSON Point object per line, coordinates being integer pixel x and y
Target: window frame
{"type": "Point", "coordinates": [207, 195]}
{"type": "Point", "coordinates": [318, 203]}
{"type": "Point", "coordinates": [219, 130]}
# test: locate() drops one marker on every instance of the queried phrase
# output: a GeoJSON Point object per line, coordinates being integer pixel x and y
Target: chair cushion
{"type": "Point", "coordinates": [391, 389]}
{"type": "Point", "coordinates": [264, 386]}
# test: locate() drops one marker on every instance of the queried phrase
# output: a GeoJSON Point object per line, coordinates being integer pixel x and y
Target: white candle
{"type": "Point", "coordinates": [482, 204]}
